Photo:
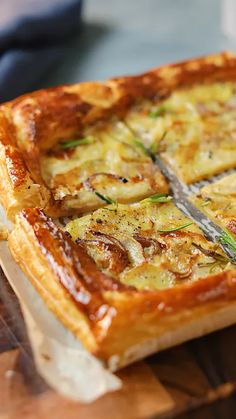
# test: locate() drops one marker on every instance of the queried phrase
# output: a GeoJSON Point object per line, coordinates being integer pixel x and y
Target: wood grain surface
{"type": "Point", "coordinates": [194, 380]}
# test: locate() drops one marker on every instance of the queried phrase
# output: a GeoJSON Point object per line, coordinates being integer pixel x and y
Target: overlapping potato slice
{"type": "Point", "coordinates": [147, 245]}
{"type": "Point", "coordinates": [194, 129]}
{"type": "Point", "coordinates": [109, 160]}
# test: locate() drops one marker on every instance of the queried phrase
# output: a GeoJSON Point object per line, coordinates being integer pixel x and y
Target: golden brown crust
{"type": "Point", "coordinates": [3, 232]}
{"type": "Point", "coordinates": [59, 112]}
{"type": "Point", "coordinates": [14, 160]}
{"type": "Point", "coordinates": [17, 187]}
{"type": "Point", "coordinates": [109, 318]}
{"type": "Point", "coordinates": [37, 121]}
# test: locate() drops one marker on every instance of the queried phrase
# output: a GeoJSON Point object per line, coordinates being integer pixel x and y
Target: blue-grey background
{"type": "Point", "coordinates": [128, 36]}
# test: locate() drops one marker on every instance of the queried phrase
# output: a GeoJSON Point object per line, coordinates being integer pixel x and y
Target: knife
{"type": "Point", "coordinates": [180, 197]}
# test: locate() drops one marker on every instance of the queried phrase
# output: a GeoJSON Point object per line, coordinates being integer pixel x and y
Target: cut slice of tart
{"type": "Point", "coordinates": [127, 280]}
{"type": "Point", "coordinates": [147, 245]}
{"type": "Point", "coordinates": [107, 160]}
{"type": "Point", "coordinates": [193, 129]}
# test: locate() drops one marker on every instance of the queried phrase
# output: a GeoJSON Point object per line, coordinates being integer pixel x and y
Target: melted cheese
{"type": "Point", "coordinates": [218, 201]}
{"type": "Point", "coordinates": [196, 130]}
{"type": "Point", "coordinates": [155, 260]}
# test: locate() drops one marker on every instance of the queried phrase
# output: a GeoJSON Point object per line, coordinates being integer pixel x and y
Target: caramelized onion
{"type": "Point", "coordinates": [114, 255]}
{"type": "Point", "coordinates": [135, 250]}
{"type": "Point", "coordinates": [153, 245]}
{"type": "Point", "coordinates": [124, 244]}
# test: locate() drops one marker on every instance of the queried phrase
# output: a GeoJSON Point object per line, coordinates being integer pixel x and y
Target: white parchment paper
{"type": "Point", "coordinates": [60, 358]}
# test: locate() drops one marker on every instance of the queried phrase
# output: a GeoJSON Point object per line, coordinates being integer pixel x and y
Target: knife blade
{"type": "Point", "coordinates": [180, 196]}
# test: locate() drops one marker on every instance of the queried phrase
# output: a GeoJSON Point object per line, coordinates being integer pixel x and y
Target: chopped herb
{"type": "Point", "coordinates": [219, 261]}
{"type": "Point", "coordinates": [205, 203]}
{"type": "Point", "coordinates": [211, 253]}
{"type": "Point", "coordinates": [145, 149]}
{"type": "Point", "coordinates": [109, 209]}
{"type": "Point", "coordinates": [212, 265]}
{"type": "Point", "coordinates": [161, 110]}
{"type": "Point", "coordinates": [104, 198]}
{"type": "Point", "coordinates": [138, 143]}
{"type": "Point", "coordinates": [227, 239]}
{"type": "Point", "coordinates": [159, 197]}
{"type": "Point", "coordinates": [74, 143]}
{"type": "Point", "coordinates": [176, 228]}
{"type": "Point", "coordinates": [154, 145]}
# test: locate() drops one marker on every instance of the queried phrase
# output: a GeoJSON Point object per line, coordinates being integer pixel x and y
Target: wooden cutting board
{"type": "Point", "coordinates": [197, 379]}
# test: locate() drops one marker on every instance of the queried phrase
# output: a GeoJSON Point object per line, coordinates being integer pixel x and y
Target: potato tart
{"type": "Point", "coordinates": [119, 264]}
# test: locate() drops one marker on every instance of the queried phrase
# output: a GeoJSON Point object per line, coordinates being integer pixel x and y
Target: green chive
{"type": "Point", "coordinates": [161, 110]}
{"type": "Point", "coordinates": [159, 197]}
{"type": "Point", "coordinates": [109, 209]}
{"type": "Point", "coordinates": [211, 253]}
{"type": "Point", "coordinates": [74, 143]}
{"type": "Point", "coordinates": [105, 198]}
{"type": "Point", "coordinates": [213, 265]}
{"type": "Point", "coordinates": [154, 146]}
{"type": "Point", "coordinates": [226, 238]}
{"type": "Point", "coordinates": [145, 149]}
{"type": "Point", "coordinates": [138, 143]}
{"type": "Point", "coordinates": [205, 203]}
{"type": "Point", "coordinates": [176, 228]}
